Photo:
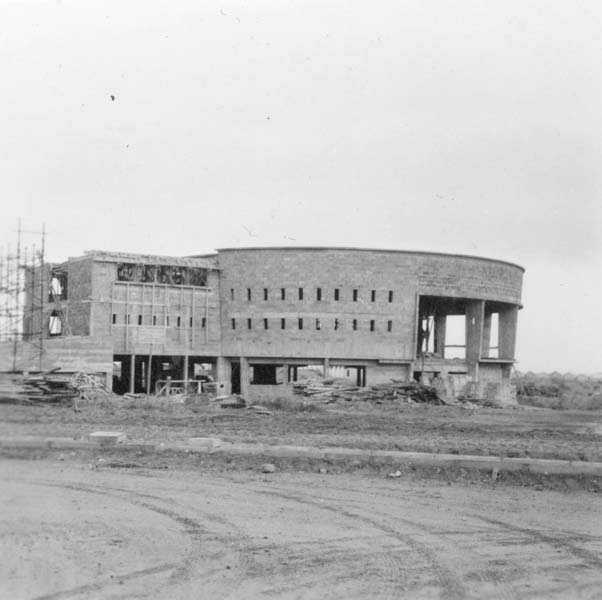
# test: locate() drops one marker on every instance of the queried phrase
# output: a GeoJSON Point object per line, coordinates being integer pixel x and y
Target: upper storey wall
{"type": "Point", "coordinates": [403, 274]}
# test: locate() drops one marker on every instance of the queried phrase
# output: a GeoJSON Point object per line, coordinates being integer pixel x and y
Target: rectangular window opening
{"type": "Point", "coordinates": [282, 293]}
{"type": "Point", "coordinates": [318, 324]}
{"type": "Point", "coordinates": [249, 323]}
{"type": "Point", "coordinates": [355, 295]}
{"type": "Point", "coordinates": [371, 324]}
{"type": "Point", "coordinates": [318, 294]}
{"type": "Point", "coordinates": [233, 323]}
{"type": "Point", "coordinates": [373, 296]}
{"type": "Point", "coordinates": [300, 293]}
{"type": "Point", "coordinates": [336, 324]}
{"type": "Point", "coordinates": [265, 293]}
{"type": "Point", "coordinates": [390, 295]}
{"type": "Point", "coordinates": [282, 323]}
{"type": "Point", "coordinates": [265, 323]}
{"type": "Point", "coordinates": [389, 326]}
{"type": "Point", "coordinates": [336, 294]}
{"type": "Point", "coordinates": [249, 294]}
{"type": "Point", "coordinates": [154, 319]}
{"type": "Point", "coordinates": [354, 324]}
{"type": "Point", "coordinates": [190, 322]}
{"type": "Point", "coordinates": [114, 321]}
{"type": "Point", "coordinates": [231, 293]}
{"type": "Point", "coordinates": [300, 323]}
{"type": "Point", "coordinates": [204, 322]}
{"type": "Point", "coordinates": [179, 321]}
{"type": "Point", "coordinates": [139, 319]}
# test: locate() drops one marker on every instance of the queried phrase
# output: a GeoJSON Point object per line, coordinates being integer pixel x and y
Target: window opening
{"type": "Point", "coordinates": [336, 294]}
{"type": "Point", "coordinates": [139, 319]}
{"type": "Point", "coordinates": [55, 324]}
{"type": "Point", "coordinates": [233, 323]}
{"type": "Point", "coordinates": [190, 321]}
{"type": "Point", "coordinates": [390, 295]}
{"type": "Point", "coordinates": [389, 326]}
{"type": "Point", "coordinates": [249, 324]}
{"type": "Point", "coordinates": [265, 323]}
{"type": "Point", "coordinates": [300, 323]}
{"type": "Point", "coordinates": [300, 293]}
{"type": "Point", "coordinates": [355, 295]}
{"type": "Point", "coordinates": [336, 324]}
{"type": "Point", "coordinates": [282, 323]}
{"type": "Point", "coordinates": [231, 293]}
{"type": "Point", "coordinates": [154, 319]}
{"type": "Point", "coordinates": [283, 293]}
{"type": "Point", "coordinates": [318, 294]}
{"type": "Point", "coordinates": [318, 325]}
{"type": "Point", "coordinates": [249, 294]}
{"type": "Point", "coordinates": [265, 293]}
{"type": "Point", "coordinates": [354, 324]}
{"type": "Point", "coordinates": [203, 322]}
{"type": "Point", "coordinates": [114, 319]}
{"type": "Point", "coordinates": [371, 324]}
{"type": "Point", "coordinates": [373, 296]}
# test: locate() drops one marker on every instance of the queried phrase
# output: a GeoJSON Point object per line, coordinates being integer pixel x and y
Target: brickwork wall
{"type": "Point", "coordinates": [405, 274]}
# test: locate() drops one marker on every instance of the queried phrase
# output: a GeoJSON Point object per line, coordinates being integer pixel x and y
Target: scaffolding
{"type": "Point", "coordinates": [25, 289]}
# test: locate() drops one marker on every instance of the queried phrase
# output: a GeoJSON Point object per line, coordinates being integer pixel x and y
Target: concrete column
{"type": "Point", "coordinates": [326, 367]}
{"type": "Point", "coordinates": [223, 375]}
{"type": "Point", "coordinates": [185, 373]}
{"type": "Point", "coordinates": [507, 332]}
{"type": "Point", "coordinates": [486, 345]}
{"type": "Point", "coordinates": [245, 377]}
{"type": "Point", "coordinates": [440, 325]}
{"type": "Point", "coordinates": [132, 372]}
{"type": "Point", "coordinates": [475, 314]}
{"type": "Point", "coordinates": [285, 377]}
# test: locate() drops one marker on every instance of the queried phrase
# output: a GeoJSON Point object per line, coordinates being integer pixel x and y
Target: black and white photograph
{"type": "Point", "coordinates": [300, 299]}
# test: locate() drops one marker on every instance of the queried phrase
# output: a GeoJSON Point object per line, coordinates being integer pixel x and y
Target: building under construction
{"type": "Point", "coordinates": [248, 319]}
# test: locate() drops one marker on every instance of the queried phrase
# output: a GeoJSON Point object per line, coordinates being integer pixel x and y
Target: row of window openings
{"type": "Point", "coordinates": [337, 294]}
{"type": "Point", "coordinates": [300, 324]}
{"type": "Point", "coordinates": [166, 320]}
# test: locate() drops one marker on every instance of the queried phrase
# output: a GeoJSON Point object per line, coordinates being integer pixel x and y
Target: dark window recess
{"type": "Point", "coordinates": [300, 293]}
{"type": "Point", "coordinates": [55, 324]}
{"type": "Point", "coordinates": [372, 325]}
{"type": "Point", "coordinates": [318, 324]}
{"type": "Point", "coordinates": [127, 319]}
{"type": "Point", "coordinates": [179, 321]}
{"type": "Point", "coordinates": [336, 324]}
{"type": "Point", "coordinates": [373, 296]}
{"type": "Point", "coordinates": [265, 374]}
{"type": "Point", "coordinates": [231, 293]}
{"type": "Point", "coordinates": [300, 323]}
{"type": "Point", "coordinates": [165, 274]}
{"type": "Point", "coordinates": [204, 322]}
{"type": "Point", "coordinates": [233, 323]}
{"type": "Point", "coordinates": [114, 321]}
{"type": "Point", "coordinates": [389, 326]}
{"type": "Point", "coordinates": [139, 319]}
{"type": "Point", "coordinates": [336, 294]}
{"type": "Point", "coordinates": [154, 319]}
{"type": "Point", "coordinates": [167, 321]}
{"type": "Point", "coordinates": [249, 323]}
{"type": "Point", "coordinates": [249, 294]}
{"type": "Point", "coordinates": [390, 295]}
{"type": "Point", "coordinates": [355, 295]}
{"type": "Point", "coordinates": [265, 293]}
{"type": "Point", "coordinates": [265, 323]}
{"type": "Point", "coordinates": [190, 321]}
{"type": "Point", "coordinates": [354, 324]}
{"type": "Point", "coordinates": [282, 323]}
{"type": "Point", "coordinates": [283, 293]}
{"type": "Point", "coordinates": [319, 294]}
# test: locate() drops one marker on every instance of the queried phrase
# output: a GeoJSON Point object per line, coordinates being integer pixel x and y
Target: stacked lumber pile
{"type": "Point", "coordinates": [42, 387]}
{"type": "Point", "coordinates": [396, 390]}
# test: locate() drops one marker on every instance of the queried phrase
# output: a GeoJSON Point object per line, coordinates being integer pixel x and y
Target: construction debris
{"type": "Point", "coordinates": [396, 390]}
{"type": "Point", "coordinates": [233, 401]}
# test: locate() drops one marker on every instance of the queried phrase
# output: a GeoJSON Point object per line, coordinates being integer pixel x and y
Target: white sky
{"type": "Point", "coordinates": [467, 127]}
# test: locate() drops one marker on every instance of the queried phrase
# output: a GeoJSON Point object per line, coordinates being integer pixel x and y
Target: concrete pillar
{"type": "Point", "coordinates": [185, 373]}
{"type": "Point", "coordinates": [132, 373]}
{"type": "Point", "coordinates": [223, 375]}
{"type": "Point", "coordinates": [440, 325]}
{"type": "Point", "coordinates": [475, 314]}
{"type": "Point", "coordinates": [245, 377]}
{"type": "Point", "coordinates": [286, 378]}
{"type": "Point", "coordinates": [326, 367]}
{"type": "Point", "coordinates": [486, 345]}
{"type": "Point", "coordinates": [507, 332]}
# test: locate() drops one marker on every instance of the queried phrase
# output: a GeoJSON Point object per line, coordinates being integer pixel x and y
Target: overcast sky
{"type": "Point", "coordinates": [466, 127]}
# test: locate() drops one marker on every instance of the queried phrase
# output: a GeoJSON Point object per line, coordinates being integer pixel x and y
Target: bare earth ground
{"type": "Point", "coordinates": [69, 531]}
{"type": "Point", "coordinates": [520, 432]}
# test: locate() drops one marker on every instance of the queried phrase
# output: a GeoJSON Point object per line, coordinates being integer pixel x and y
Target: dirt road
{"type": "Point", "coordinates": [69, 531]}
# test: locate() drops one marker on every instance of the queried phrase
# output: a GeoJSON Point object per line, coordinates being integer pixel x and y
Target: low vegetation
{"type": "Point", "coordinates": [559, 391]}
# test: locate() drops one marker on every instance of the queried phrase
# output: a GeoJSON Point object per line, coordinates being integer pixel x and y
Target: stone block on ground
{"type": "Point", "coordinates": [108, 438]}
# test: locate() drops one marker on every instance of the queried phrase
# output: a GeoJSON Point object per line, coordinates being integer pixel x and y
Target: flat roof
{"type": "Point", "coordinates": [357, 249]}
{"type": "Point", "coordinates": [152, 259]}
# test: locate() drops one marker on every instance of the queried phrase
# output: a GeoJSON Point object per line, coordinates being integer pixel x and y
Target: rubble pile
{"type": "Point", "coordinates": [413, 392]}
{"type": "Point", "coordinates": [43, 387]}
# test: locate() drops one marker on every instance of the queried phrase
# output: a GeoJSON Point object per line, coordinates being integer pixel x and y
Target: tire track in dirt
{"type": "Point", "coordinates": [100, 585]}
{"type": "Point", "coordinates": [593, 559]}
{"type": "Point", "coordinates": [191, 527]}
{"type": "Point", "coordinates": [452, 587]}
